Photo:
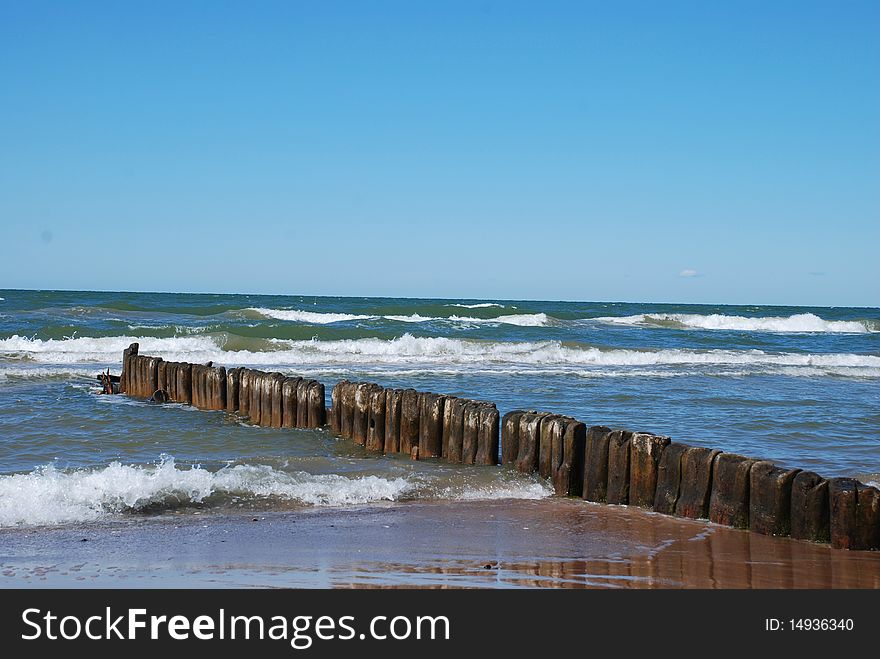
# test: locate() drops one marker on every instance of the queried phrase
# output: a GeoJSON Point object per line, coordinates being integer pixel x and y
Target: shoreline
{"type": "Point", "coordinates": [550, 543]}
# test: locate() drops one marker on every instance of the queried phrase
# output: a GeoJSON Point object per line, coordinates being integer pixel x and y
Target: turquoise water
{"type": "Point", "coordinates": [797, 385]}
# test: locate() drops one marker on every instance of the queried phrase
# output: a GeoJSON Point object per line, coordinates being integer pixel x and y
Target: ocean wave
{"type": "Point", "coordinates": [319, 318]}
{"type": "Point", "coordinates": [108, 349]}
{"type": "Point", "coordinates": [51, 496]}
{"type": "Point", "coordinates": [313, 317]}
{"type": "Point", "coordinates": [409, 352]}
{"type": "Point", "coordinates": [481, 305]}
{"type": "Point", "coordinates": [804, 322]}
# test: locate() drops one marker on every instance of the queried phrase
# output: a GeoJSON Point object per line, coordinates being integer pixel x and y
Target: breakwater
{"type": "Point", "coordinates": [596, 463]}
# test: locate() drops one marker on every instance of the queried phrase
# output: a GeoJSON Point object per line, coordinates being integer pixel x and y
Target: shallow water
{"type": "Point", "coordinates": [794, 384]}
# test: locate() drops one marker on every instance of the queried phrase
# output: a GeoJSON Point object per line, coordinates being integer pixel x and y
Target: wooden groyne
{"type": "Point", "coordinates": [597, 463]}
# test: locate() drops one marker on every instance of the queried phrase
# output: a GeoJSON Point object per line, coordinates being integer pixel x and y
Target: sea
{"type": "Point", "coordinates": [796, 385]}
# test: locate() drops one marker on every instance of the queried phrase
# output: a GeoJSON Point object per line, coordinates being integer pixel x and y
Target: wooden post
{"type": "Point", "coordinates": [729, 501]}
{"type": "Point", "coordinates": [596, 464]}
{"type": "Point", "coordinates": [317, 401]}
{"type": "Point", "coordinates": [184, 383]}
{"type": "Point", "coordinates": [276, 381]}
{"type": "Point", "coordinates": [855, 514]}
{"type": "Point", "coordinates": [618, 467]}
{"type": "Point", "coordinates": [510, 436]}
{"type": "Point", "coordinates": [770, 498]}
{"type": "Point", "coordinates": [453, 429]}
{"type": "Point", "coordinates": [551, 429]}
{"type": "Point", "coordinates": [568, 460]}
{"type": "Point", "coordinates": [487, 442]}
{"type": "Point", "coordinates": [376, 420]}
{"type": "Point", "coordinates": [669, 478]}
{"type": "Point", "coordinates": [393, 399]}
{"type": "Point", "coordinates": [810, 508]}
{"type": "Point", "coordinates": [409, 420]}
{"type": "Point", "coordinates": [431, 426]}
{"type": "Point", "coordinates": [336, 406]}
{"type": "Point", "coordinates": [347, 412]}
{"type": "Point", "coordinates": [645, 452]}
{"type": "Point", "coordinates": [696, 482]}
{"type": "Point", "coordinates": [233, 387]}
{"type": "Point", "coordinates": [470, 432]}
{"type": "Point", "coordinates": [289, 402]}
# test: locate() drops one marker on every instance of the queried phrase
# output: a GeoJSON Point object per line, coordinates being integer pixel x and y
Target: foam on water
{"type": "Point", "coordinates": [805, 322]}
{"type": "Point", "coordinates": [50, 496]}
{"type": "Point", "coordinates": [409, 350]}
{"type": "Point", "coordinates": [313, 317]}
{"type": "Point", "coordinates": [481, 305]}
{"type": "Point", "coordinates": [318, 318]}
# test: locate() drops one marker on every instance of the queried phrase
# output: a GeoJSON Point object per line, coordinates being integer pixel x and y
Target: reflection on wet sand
{"type": "Point", "coordinates": [550, 543]}
{"type": "Point", "coordinates": [660, 552]}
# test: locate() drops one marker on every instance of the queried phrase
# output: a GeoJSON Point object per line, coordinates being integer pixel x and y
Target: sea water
{"type": "Point", "coordinates": [797, 385]}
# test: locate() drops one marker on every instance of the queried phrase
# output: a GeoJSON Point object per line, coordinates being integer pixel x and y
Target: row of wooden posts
{"type": "Point", "coordinates": [420, 424]}
{"type": "Point", "coordinates": [598, 464]}
{"type": "Point", "coordinates": [267, 399]}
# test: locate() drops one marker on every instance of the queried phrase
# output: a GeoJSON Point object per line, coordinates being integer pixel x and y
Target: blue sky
{"type": "Point", "coordinates": [552, 150]}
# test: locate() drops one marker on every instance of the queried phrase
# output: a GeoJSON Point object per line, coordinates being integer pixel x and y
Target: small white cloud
{"type": "Point", "coordinates": [688, 273]}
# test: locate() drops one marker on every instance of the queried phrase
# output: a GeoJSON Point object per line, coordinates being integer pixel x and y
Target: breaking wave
{"type": "Point", "coordinates": [409, 351]}
{"type": "Point", "coordinates": [804, 322]}
{"type": "Point", "coordinates": [50, 496]}
{"type": "Point", "coordinates": [318, 318]}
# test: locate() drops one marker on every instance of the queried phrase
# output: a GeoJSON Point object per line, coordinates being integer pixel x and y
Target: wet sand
{"type": "Point", "coordinates": [494, 544]}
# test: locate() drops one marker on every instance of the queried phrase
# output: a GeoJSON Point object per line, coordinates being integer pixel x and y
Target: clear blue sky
{"type": "Point", "coordinates": [555, 150]}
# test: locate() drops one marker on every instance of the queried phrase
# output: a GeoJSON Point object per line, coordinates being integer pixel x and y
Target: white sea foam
{"type": "Point", "coordinates": [107, 349]}
{"type": "Point", "coordinates": [49, 496]}
{"type": "Point", "coordinates": [313, 317]}
{"type": "Point", "coordinates": [409, 351]}
{"type": "Point", "coordinates": [804, 322]}
{"type": "Point", "coordinates": [481, 305]}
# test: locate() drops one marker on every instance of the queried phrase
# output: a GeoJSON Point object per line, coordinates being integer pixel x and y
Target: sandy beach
{"type": "Point", "coordinates": [498, 544]}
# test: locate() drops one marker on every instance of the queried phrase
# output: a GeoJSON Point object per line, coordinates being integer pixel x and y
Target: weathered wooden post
{"type": "Point", "coordinates": [409, 420]}
{"type": "Point", "coordinates": [244, 392]}
{"type": "Point", "coordinates": [289, 402]}
{"type": "Point", "coordinates": [568, 460]}
{"type": "Point", "coordinates": [302, 403]}
{"type": "Point", "coordinates": [669, 478]}
{"type": "Point", "coordinates": [317, 416]}
{"type": "Point", "coordinates": [645, 452]}
{"type": "Point", "coordinates": [152, 374]}
{"type": "Point", "coordinates": [810, 508]}
{"type": "Point", "coordinates": [184, 383]}
{"type": "Point", "coordinates": [551, 430]}
{"type": "Point", "coordinates": [618, 467]}
{"type": "Point", "coordinates": [453, 428]}
{"type": "Point", "coordinates": [233, 387]}
{"type": "Point", "coordinates": [431, 426]}
{"type": "Point", "coordinates": [393, 399]}
{"type": "Point", "coordinates": [487, 442]}
{"type": "Point", "coordinates": [470, 432]}
{"type": "Point", "coordinates": [596, 464]}
{"type": "Point", "coordinates": [361, 413]}
{"type": "Point", "coordinates": [529, 441]}
{"type": "Point", "coordinates": [266, 382]}
{"type": "Point", "coordinates": [276, 384]}
{"type": "Point", "coordinates": [696, 482]}
{"type": "Point", "coordinates": [510, 436]}
{"type": "Point", "coordinates": [126, 379]}
{"type": "Point", "coordinates": [376, 420]}
{"type": "Point", "coordinates": [770, 498]}
{"type": "Point", "coordinates": [346, 419]}
{"type": "Point", "coordinates": [729, 500]}
{"type": "Point", "coordinates": [335, 415]}
{"type": "Point", "coordinates": [256, 389]}
{"type": "Point", "coordinates": [855, 514]}
{"type": "Point", "coordinates": [217, 383]}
